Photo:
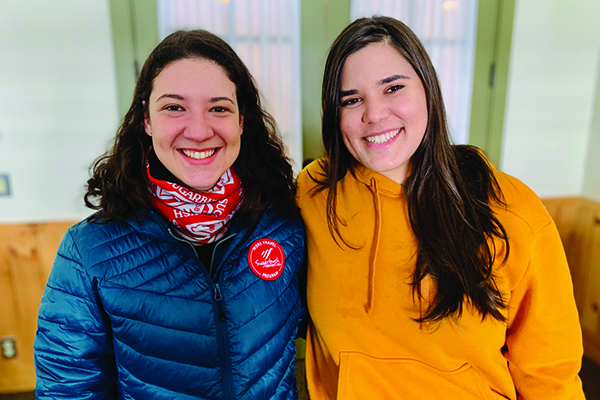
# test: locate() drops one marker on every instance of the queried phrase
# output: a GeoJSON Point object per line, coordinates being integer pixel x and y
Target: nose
{"type": "Point", "coordinates": [375, 111]}
{"type": "Point", "coordinates": [198, 128]}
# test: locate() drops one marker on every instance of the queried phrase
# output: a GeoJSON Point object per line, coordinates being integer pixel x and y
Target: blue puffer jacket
{"type": "Point", "coordinates": [130, 312]}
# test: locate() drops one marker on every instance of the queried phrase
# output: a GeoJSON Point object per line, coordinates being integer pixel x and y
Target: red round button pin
{"type": "Point", "coordinates": [266, 259]}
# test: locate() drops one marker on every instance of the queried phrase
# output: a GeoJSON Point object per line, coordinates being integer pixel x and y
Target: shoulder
{"type": "Point", "coordinates": [312, 173]}
{"type": "Point", "coordinates": [308, 181]}
{"type": "Point", "coordinates": [93, 243]}
{"type": "Point", "coordinates": [523, 206]}
{"type": "Point", "coordinates": [283, 227]}
{"type": "Point", "coordinates": [94, 230]}
{"type": "Point", "coordinates": [530, 229]}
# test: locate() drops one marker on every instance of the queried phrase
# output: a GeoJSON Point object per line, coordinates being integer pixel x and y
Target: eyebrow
{"type": "Point", "coordinates": [345, 93]}
{"type": "Point", "coordinates": [180, 97]}
{"type": "Point", "coordinates": [171, 96]}
{"type": "Point", "coordinates": [393, 78]}
{"type": "Point", "coordinates": [216, 99]}
{"type": "Point", "coordinates": [383, 81]}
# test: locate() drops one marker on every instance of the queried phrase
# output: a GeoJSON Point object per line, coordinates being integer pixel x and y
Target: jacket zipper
{"type": "Point", "coordinates": [221, 327]}
{"type": "Point", "coordinates": [223, 342]}
{"type": "Point", "coordinates": [221, 318]}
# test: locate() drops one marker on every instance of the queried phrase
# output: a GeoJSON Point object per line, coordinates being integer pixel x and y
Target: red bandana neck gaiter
{"type": "Point", "coordinates": [200, 217]}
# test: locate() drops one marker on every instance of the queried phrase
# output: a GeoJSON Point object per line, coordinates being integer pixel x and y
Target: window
{"type": "Point", "coordinates": [266, 36]}
{"type": "Point", "coordinates": [447, 29]}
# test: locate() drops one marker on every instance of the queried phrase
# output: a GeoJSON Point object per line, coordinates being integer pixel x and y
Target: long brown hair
{"type": "Point", "coordinates": [119, 184]}
{"type": "Point", "coordinates": [449, 189]}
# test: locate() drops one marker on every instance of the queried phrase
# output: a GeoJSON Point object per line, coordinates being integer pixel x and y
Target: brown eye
{"type": "Point", "coordinates": [394, 88]}
{"type": "Point", "coordinates": [349, 102]}
{"type": "Point", "coordinates": [174, 108]}
{"type": "Point", "coordinates": [219, 109]}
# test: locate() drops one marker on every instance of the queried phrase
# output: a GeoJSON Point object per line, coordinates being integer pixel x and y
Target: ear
{"type": "Point", "coordinates": [241, 124]}
{"type": "Point", "coordinates": [147, 124]}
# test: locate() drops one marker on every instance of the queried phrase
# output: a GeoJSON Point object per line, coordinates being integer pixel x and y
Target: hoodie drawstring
{"type": "Point", "coordinates": [374, 247]}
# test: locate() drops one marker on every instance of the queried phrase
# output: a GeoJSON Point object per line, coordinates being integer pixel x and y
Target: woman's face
{"type": "Point", "coordinates": [194, 121]}
{"type": "Point", "coordinates": [383, 115]}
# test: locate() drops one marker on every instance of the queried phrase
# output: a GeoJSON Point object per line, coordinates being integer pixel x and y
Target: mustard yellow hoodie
{"type": "Point", "coordinates": [362, 342]}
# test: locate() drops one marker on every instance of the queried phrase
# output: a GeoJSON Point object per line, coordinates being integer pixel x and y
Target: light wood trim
{"type": "Point", "coordinates": [590, 305]}
{"type": "Point", "coordinates": [27, 252]}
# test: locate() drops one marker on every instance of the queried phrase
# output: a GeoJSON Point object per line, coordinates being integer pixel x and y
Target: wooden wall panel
{"type": "Point", "coordinates": [49, 237]}
{"type": "Point", "coordinates": [23, 265]}
{"type": "Point", "coordinates": [590, 304]}
{"type": "Point", "coordinates": [565, 212]}
{"type": "Point", "coordinates": [578, 222]}
{"type": "Point", "coordinates": [8, 320]}
{"type": "Point", "coordinates": [26, 255]}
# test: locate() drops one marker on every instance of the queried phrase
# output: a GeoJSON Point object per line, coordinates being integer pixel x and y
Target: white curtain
{"type": "Point", "coordinates": [447, 29]}
{"type": "Point", "coordinates": [266, 36]}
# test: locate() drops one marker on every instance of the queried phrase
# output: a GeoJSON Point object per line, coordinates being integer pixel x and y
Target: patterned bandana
{"type": "Point", "coordinates": [200, 217]}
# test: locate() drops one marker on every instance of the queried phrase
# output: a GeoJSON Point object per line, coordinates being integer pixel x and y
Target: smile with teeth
{"type": "Point", "coordinates": [198, 155]}
{"type": "Point", "coordinates": [378, 139]}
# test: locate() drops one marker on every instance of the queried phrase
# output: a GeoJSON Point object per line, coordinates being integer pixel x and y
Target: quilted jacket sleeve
{"type": "Point", "coordinates": [73, 351]}
{"type": "Point", "coordinates": [544, 337]}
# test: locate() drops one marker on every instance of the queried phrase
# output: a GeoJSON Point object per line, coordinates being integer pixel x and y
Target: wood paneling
{"type": "Point", "coordinates": [578, 222]}
{"type": "Point", "coordinates": [26, 255]}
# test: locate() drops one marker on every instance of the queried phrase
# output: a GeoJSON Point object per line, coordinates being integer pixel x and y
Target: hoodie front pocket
{"type": "Point", "coordinates": [365, 377]}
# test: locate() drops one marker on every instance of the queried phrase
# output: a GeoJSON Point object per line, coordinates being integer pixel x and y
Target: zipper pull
{"type": "Point", "coordinates": [218, 298]}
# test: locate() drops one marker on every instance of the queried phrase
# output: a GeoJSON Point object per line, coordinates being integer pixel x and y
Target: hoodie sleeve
{"type": "Point", "coordinates": [73, 352]}
{"type": "Point", "coordinates": [544, 343]}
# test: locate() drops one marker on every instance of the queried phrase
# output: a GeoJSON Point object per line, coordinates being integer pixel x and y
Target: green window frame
{"type": "Point", "coordinates": [135, 35]}
{"type": "Point", "coordinates": [490, 80]}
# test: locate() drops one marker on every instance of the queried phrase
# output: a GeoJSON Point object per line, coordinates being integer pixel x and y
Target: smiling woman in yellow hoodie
{"type": "Point", "coordinates": [431, 274]}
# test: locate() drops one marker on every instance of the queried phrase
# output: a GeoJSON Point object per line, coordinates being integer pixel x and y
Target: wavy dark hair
{"type": "Point", "coordinates": [119, 185]}
{"type": "Point", "coordinates": [449, 189]}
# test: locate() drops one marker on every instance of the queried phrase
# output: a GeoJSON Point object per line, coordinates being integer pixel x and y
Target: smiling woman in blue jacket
{"type": "Point", "coordinates": [185, 282]}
